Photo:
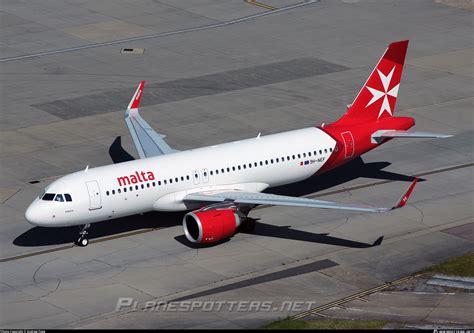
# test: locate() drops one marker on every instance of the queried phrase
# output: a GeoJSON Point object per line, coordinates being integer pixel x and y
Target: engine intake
{"type": "Point", "coordinates": [210, 226]}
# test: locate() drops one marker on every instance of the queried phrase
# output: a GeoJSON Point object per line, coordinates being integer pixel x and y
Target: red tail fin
{"type": "Point", "coordinates": [378, 96]}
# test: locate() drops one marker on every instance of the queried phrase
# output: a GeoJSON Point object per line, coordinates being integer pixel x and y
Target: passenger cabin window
{"type": "Point", "coordinates": [48, 197]}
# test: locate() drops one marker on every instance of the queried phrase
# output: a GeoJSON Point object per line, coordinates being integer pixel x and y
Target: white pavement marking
{"type": "Point", "coordinates": [159, 35]}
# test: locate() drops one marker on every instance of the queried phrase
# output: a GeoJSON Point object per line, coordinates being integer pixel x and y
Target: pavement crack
{"type": "Point", "coordinates": [425, 318]}
{"type": "Point", "coordinates": [422, 215]}
{"type": "Point", "coordinates": [339, 225]}
{"type": "Point", "coordinates": [39, 267]}
{"type": "Point", "coordinates": [48, 292]}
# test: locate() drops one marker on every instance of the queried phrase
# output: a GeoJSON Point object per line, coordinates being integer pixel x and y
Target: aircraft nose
{"type": "Point", "coordinates": [34, 215]}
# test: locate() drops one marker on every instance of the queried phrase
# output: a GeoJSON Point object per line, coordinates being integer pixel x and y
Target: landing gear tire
{"type": "Point", "coordinates": [82, 241]}
{"type": "Point", "coordinates": [248, 225]}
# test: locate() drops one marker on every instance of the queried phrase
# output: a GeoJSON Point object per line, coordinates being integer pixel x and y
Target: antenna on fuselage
{"type": "Point", "coordinates": [258, 136]}
{"type": "Point", "coordinates": [87, 168]}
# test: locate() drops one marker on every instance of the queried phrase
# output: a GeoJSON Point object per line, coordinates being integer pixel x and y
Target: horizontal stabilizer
{"type": "Point", "coordinates": [378, 136]}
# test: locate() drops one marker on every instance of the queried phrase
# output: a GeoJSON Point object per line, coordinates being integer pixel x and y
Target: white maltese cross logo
{"type": "Point", "coordinates": [377, 94]}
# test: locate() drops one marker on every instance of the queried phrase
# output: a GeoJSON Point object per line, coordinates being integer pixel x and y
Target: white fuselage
{"type": "Point", "coordinates": [161, 182]}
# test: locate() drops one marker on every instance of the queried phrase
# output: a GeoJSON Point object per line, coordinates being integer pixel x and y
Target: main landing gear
{"type": "Point", "coordinates": [248, 225]}
{"type": "Point", "coordinates": [83, 241]}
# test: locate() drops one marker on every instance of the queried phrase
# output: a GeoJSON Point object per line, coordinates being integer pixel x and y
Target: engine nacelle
{"type": "Point", "coordinates": [210, 226]}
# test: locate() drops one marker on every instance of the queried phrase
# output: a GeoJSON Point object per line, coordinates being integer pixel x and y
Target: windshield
{"type": "Point", "coordinates": [56, 197]}
{"type": "Point", "coordinates": [48, 196]}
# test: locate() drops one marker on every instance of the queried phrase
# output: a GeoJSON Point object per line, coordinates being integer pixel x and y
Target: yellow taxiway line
{"type": "Point", "coordinates": [359, 296]}
{"type": "Point", "coordinates": [256, 3]}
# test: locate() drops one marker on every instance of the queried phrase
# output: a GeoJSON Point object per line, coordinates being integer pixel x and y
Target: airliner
{"type": "Point", "coordinates": [217, 186]}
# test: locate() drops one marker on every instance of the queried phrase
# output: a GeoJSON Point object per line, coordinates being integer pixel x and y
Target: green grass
{"type": "Point", "coordinates": [459, 266]}
{"type": "Point", "coordinates": [325, 324]}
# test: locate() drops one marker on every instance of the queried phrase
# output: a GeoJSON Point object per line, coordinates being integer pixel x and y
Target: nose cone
{"type": "Point", "coordinates": [35, 216]}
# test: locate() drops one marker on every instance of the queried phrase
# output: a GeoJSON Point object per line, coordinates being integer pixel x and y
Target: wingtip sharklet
{"type": "Point", "coordinates": [135, 101]}
{"type": "Point", "coordinates": [404, 198]}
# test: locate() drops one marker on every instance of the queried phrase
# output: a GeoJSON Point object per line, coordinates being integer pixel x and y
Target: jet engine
{"type": "Point", "coordinates": [210, 226]}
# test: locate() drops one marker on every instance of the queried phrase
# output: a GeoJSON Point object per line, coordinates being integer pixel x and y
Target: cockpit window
{"type": "Point", "coordinates": [48, 196]}
{"type": "Point", "coordinates": [68, 197]}
{"type": "Point", "coordinates": [59, 197]}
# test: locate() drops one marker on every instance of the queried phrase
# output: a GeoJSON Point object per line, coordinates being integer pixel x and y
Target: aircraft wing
{"type": "Point", "coordinates": [383, 134]}
{"type": "Point", "coordinates": [256, 198]}
{"type": "Point", "coordinates": [147, 142]}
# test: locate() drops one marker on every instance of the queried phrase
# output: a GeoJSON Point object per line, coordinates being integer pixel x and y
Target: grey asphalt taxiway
{"type": "Point", "coordinates": [219, 71]}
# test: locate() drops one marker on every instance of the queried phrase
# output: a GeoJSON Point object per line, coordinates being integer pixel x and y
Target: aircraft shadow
{"type": "Point", "coordinates": [117, 153]}
{"type": "Point", "coordinates": [354, 169]}
{"type": "Point", "coordinates": [285, 232]}
{"type": "Point", "coordinates": [40, 236]}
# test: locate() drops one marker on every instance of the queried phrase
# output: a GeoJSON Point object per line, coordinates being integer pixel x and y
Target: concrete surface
{"type": "Point", "coordinates": [290, 69]}
{"type": "Point", "coordinates": [425, 301]}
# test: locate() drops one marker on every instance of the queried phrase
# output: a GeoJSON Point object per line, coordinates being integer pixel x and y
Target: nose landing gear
{"type": "Point", "coordinates": [83, 241]}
